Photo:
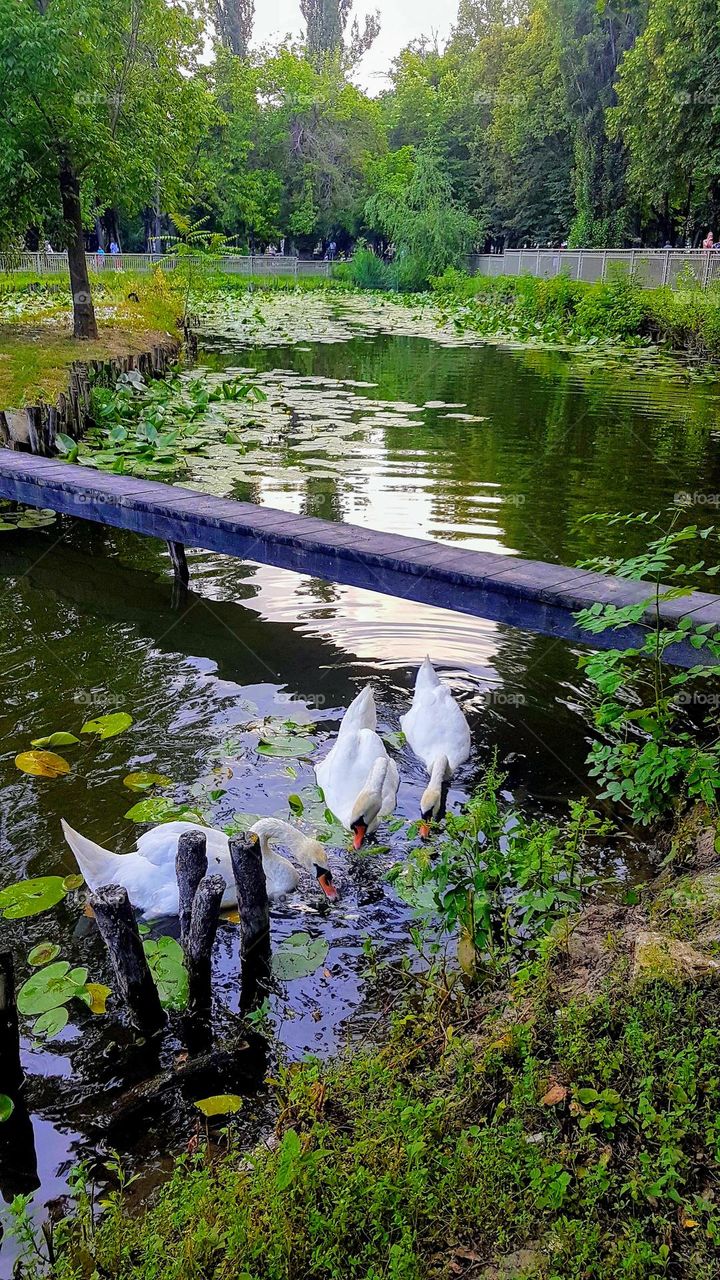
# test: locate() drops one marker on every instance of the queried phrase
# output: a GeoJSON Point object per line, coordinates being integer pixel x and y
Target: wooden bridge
{"type": "Point", "coordinates": [530, 594]}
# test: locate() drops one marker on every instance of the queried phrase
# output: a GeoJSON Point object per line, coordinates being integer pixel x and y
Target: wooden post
{"type": "Point", "coordinates": [191, 865]}
{"type": "Point", "coordinates": [118, 928]}
{"type": "Point", "coordinates": [11, 1073]}
{"type": "Point", "coordinates": [179, 561]}
{"type": "Point", "coordinates": [253, 905]}
{"type": "Point", "coordinates": [199, 939]}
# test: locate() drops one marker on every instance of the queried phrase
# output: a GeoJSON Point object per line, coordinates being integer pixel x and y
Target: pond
{"type": "Point", "coordinates": [372, 416]}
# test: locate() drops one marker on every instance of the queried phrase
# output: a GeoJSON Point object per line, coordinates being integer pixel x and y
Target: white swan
{"type": "Point", "coordinates": [439, 735]}
{"type": "Point", "coordinates": [358, 778]}
{"type": "Point", "coordinates": [148, 873]}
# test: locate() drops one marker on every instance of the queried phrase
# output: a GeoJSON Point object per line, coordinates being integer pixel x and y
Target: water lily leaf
{"type": "Point", "coordinates": [289, 744]}
{"type": "Point", "coordinates": [144, 781]}
{"type": "Point", "coordinates": [295, 805]}
{"type": "Point", "coordinates": [42, 764]}
{"type": "Point", "coordinates": [50, 987]}
{"type": "Point", "coordinates": [154, 809]}
{"type": "Point", "coordinates": [30, 897]}
{"type": "Point", "coordinates": [43, 953]}
{"type": "Point", "coordinates": [298, 955]}
{"type": "Point", "coordinates": [95, 996]}
{"type": "Point", "coordinates": [7, 1106]}
{"type": "Point", "coordinates": [73, 882]}
{"type": "Point", "coordinates": [58, 739]}
{"type": "Point", "coordinates": [51, 1023]}
{"type": "Point", "coordinates": [395, 739]}
{"type": "Point", "coordinates": [165, 958]}
{"type": "Point", "coordinates": [221, 1104]}
{"type": "Point", "coordinates": [108, 726]}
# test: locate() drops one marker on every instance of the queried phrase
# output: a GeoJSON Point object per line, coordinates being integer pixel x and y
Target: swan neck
{"type": "Point", "coordinates": [439, 770]}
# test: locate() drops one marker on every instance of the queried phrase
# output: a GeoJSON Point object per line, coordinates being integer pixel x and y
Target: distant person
{"type": "Point", "coordinates": [100, 255]}
{"type": "Point", "coordinates": [47, 247]}
{"type": "Point", "coordinates": [667, 245]}
{"type": "Point", "coordinates": [709, 241]}
{"type": "Point", "coordinates": [332, 250]}
{"type": "Point", "coordinates": [114, 246]}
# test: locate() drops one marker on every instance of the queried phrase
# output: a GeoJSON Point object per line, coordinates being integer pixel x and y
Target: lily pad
{"type": "Point", "coordinates": [73, 881]}
{"type": "Point", "coordinates": [142, 781]}
{"type": "Point", "coordinates": [154, 809]}
{"type": "Point", "coordinates": [51, 1023]}
{"type": "Point", "coordinates": [59, 739]}
{"type": "Point", "coordinates": [7, 1106]}
{"type": "Point", "coordinates": [95, 996]}
{"type": "Point", "coordinates": [165, 958]}
{"type": "Point", "coordinates": [50, 987]}
{"type": "Point", "coordinates": [289, 744]}
{"type": "Point", "coordinates": [30, 897]}
{"type": "Point", "coordinates": [43, 953]}
{"type": "Point", "coordinates": [298, 956]}
{"type": "Point", "coordinates": [221, 1104]}
{"type": "Point", "coordinates": [42, 764]}
{"type": "Point", "coordinates": [108, 726]}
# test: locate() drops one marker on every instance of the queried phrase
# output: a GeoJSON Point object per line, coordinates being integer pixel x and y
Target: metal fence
{"type": "Point", "coordinates": [253, 264]}
{"type": "Point", "coordinates": [652, 268]}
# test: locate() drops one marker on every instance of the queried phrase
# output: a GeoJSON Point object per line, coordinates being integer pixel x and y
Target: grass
{"type": "Point", "coordinates": [36, 343]}
{"type": "Point", "coordinates": [576, 1136]}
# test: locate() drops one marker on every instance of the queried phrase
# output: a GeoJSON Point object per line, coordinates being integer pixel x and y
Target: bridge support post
{"type": "Point", "coordinates": [179, 561]}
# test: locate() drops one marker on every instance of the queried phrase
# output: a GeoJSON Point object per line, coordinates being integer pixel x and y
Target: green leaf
{"type": "Point", "coordinates": [43, 953]}
{"type": "Point", "coordinates": [295, 805]}
{"type": "Point", "coordinates": [30, 897]}
{"type": "Point", "coordinates": [165, 958]}
{"type": "Point", "coordinates": [108, 726]}
{"type": "Point", "coordinates": [58, 739]}
{"type": "Point", "coordinates": [291, 744]}
{"type": "Point", "coordinates": [51, 1023]}
{"type": "Point", "coordinates": [50, 987]}
{"type": "Point", "coordinates": [298, 956]}
{"type": "Point", "coordinates": [154, 809]}
{"type": "Point", "coordinates": [144, 781]}
{"type": "Point", "coordinates": [221, 1104]}
{"type": "Point", "coordinates": [42, 764]}
{"type": "Point", "coordinates": [7, 1106]}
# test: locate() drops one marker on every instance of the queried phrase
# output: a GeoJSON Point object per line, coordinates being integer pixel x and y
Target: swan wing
{"type": "Point", "coordinates": [361, 714]}
{"type": "Point", "coordinates": [435, 725]}
{"type": "Point", "coordinates": [344, 771]}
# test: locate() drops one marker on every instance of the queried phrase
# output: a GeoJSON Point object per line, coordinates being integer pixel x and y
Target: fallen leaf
{"type": "Point", "coordinates": [98, 994]}
{"type": "Point", "coordinates": [42, 764]}
{"type": "Point", "coordinates": [555, 1094]}
{"type": "Point", "coordinates": [690, 1223]}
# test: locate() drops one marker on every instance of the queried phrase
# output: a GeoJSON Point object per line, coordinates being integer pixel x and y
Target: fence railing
{"type": "Point", "coordinates": [651, 268]}
{"type": "Point", "coordinates": [253, 264]}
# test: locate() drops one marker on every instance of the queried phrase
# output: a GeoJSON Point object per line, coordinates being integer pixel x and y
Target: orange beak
{"type": "Point", "coordinates": [424, 829]}
{"type": "Point", "coordinates": [327, 886]}
{"type": "Point", "coordinates": [359, 834]}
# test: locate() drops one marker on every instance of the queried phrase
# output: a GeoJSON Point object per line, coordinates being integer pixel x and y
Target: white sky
{"type": "Point", "coordinates": [402, 21]}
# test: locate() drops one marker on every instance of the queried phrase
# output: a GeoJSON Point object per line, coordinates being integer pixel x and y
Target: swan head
{"type": "Point", "coordinates": [368, 804]}
{"type": "Point", "coordinates": [308, 852]}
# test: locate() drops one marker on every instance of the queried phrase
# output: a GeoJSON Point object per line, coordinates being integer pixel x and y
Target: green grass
{"type": "Point", "coordinates": [436, 1155]}
{"type": "Point", "coordinates": [36, 343]}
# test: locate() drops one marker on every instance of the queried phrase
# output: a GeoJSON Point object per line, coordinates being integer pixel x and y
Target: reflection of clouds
{"type": "Point", "coordinates": [383, 630]}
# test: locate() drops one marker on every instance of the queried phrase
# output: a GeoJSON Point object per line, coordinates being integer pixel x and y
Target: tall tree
{"type": "Point", "coordinates": [98, 104]}
{"type": "Point", "coordinates": [234, 20]}
{"type": "Point", "coordinates": [326, 23]}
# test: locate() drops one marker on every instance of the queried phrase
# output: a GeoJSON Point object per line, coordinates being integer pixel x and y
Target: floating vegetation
{"type": "Point", "coordinates": [142, 781]}
{"type": "Point", "coordinates": [7, 1106]}
{"type": "Point", "coordinates": [42, 764]}
{"type": "Point", "coordinates": [108, 726]}
{"type": "Point", "coordinates": [31, 897]}
{"type": "Point", "coordinates": [165, 958]}
{"type": "Point", "coordinates": [297, 956]}
{"type": "Point", "coordinates": [59, 739]}
{"type": "Point", "coordinates": [13, 518]}
{"type": "Point", "coordinates": [43, 953]}
{"type": "Point", "coordinates": [222, 1104]}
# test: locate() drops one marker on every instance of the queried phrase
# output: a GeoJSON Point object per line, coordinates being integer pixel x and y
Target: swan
{"type": "Point", "coordinates": [439, 735]}
{"type": "Point", "coordinates": [357, 776]}
{"type": "Point", "coordinates": [148, 873]}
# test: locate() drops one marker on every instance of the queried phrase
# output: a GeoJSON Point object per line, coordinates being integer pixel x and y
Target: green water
{"type": "Point", "coordinates": [355, 428]}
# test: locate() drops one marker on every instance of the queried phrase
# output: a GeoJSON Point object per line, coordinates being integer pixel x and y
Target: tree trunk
{"type": "Point", "coordinates": [84, 323]}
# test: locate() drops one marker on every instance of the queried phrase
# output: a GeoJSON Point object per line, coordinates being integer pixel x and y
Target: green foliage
{"type": "Point", "coordinates": [653, 755]}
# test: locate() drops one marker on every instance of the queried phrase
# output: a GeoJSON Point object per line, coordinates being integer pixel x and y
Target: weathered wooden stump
{"type": "Point", "coordinates": [11, 1072]}
{"type": "Point", "coordinates": [199, 940]}
{"type": "Point", "coordinates": [179, 561]}
{"type": "Point", "coordinates": [118, 928]}
{"type": "Point", "coordinates": [253, 905]}
{"type": "Point", "coordinates": [191, 865]}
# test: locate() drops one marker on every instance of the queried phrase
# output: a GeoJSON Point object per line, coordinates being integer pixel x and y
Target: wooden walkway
{"type": "Point", "coordinates": [526, 593]}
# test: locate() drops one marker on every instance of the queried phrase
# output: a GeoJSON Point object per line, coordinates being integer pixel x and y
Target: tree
{"type": "Point", "coordinates": [99, 104]}
{"type": "Point", "coordinates": [234, 20]}
{"type": "Point", "coordinates": [428, 228]}
{"type": "Point", "coordinates": [326, 23]}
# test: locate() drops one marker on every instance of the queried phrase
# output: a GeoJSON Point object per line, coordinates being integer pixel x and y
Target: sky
{"type": "Point", "coordinates": [402, 21]}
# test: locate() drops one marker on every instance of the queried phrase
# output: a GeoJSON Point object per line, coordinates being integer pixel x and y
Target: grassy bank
{"type": "Point", "coordinates": [134, 312]}
{"type": "Point", "coordinates": [564, 1125]}
{"type": "Point", "coordinates": [568, 311]}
